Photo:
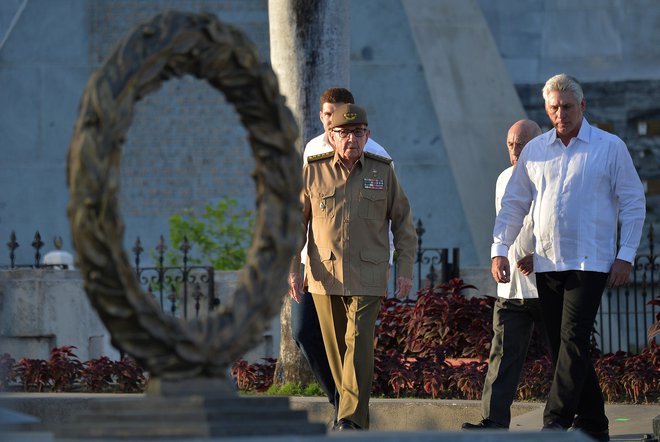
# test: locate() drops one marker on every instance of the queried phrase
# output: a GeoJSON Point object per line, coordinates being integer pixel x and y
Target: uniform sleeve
{"type": "Point", "coordinates": [306, 218]}
{"type": "Point", "coordinates": [402, 227]}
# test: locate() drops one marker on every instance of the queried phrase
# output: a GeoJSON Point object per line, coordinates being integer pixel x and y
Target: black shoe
{"type": "Point", "coordinates": [600, 435]}
{"type": "Point", "coordinates": [346, 425]}
{"type": "Point", "coordinates": [485, 424]}
{"type": "Point", "coordinates": [553, 426]}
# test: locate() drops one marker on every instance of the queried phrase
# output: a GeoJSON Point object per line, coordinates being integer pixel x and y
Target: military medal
{"type": "Point", "coordinates": [374, 184]}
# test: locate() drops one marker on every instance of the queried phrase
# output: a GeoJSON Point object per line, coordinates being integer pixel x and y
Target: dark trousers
{"type": "Point", "coordinates": [570, 301]}
{"type": "Point", "coordinates": [513, 325]}
{"type": "Point", "coordinates": [307, 336]}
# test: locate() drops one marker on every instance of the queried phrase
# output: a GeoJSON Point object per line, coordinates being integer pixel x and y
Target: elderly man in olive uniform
{"type": "Point", "coordinates": [349, 198]}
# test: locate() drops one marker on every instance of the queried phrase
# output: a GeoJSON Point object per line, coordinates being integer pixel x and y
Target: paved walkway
{"type": "Point", "coordinates": [391, 419]}
{"type": "Point", "coordinates": [626, 420]}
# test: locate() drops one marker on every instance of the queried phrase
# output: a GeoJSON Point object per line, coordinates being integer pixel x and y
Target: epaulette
{"type": "Point", "coordinates": [321, 156]}
{"type": "Point", "coordinates": [378, 157]}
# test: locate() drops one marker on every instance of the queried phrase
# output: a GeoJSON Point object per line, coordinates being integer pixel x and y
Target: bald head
{"type": "Point", "coordinates": [520, 134]}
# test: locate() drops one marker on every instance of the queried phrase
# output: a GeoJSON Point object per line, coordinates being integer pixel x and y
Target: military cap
{"type": "Point", "coordinates": [348, 114]}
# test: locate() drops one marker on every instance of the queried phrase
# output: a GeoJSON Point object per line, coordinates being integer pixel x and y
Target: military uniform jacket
{"type": "Point", "coordinates": [346, 219]}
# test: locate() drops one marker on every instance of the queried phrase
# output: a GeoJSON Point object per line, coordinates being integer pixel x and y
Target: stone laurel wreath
{"type": "Point", "coordinates": [171, 45]}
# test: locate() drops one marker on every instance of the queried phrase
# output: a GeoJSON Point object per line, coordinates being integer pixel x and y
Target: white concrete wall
{"type": "Point", "coordinates": [474, 101]}
{"type": "Point", "coordinates": [46, 308]}
{"type": "Point", "coordinates": [594, 40]}
{"type": "Point", "coordinates": [41, 309]}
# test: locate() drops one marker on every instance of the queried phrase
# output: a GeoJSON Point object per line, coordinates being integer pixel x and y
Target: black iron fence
{"type": "Point", "coordinates": [37, 244]}
{"type": "Point", "coordinates": [432, 264]}
{"type": "Point", "coordinates": [625, 314]}
{"type": "Point", "coordinates": [188, 291]}
{"type": "Point", "coordinates": [182, 289]}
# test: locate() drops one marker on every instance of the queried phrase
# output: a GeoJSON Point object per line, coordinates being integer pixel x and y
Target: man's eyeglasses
{"type": "Point", "coordinates": [343, 133]}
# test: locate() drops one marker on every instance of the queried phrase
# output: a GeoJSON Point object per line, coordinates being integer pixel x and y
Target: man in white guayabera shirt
{"type": "Point", "coordinates": [517, 311]}
{"type": "Point", "coordinates": [305, 326]}
{"type": "Point", "coordinates": [579, 181]}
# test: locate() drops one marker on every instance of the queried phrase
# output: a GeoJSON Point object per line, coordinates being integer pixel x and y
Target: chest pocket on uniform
{"type": "Point", "coordinates": [373, 204]}
{"type": "Point", "coordinates": [323, 202]}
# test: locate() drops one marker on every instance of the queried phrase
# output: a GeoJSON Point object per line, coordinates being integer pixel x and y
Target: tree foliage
{"type": "Point", "coordinates": [220, 236]}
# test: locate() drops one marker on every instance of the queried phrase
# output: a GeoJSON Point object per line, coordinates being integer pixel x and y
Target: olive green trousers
{"type": "Point", "coordinates": [348, 324]}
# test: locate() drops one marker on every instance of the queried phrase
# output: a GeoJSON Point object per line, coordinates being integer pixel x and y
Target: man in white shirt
{"type": "Point", "coordinates": [305, 326]}
{"type": "Point", "coordinates": [579, 182]}
{"type": "Point", "coordinates": [330, 100]}
{"type": "Point", "coordinates": [516, 311]}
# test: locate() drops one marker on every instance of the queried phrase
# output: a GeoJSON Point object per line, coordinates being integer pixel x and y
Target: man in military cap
{"type": "Point", "coordinates": [305, 328]}
{"type": "Point", "coordinates": [349, 198]}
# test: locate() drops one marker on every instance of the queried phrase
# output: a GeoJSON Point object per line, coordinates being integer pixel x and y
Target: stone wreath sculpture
{"type": "Point", "coordinates": [171, 45]}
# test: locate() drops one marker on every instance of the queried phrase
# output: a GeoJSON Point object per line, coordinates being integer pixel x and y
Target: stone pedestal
{"type": "Point", "coordinates": [195, 408]}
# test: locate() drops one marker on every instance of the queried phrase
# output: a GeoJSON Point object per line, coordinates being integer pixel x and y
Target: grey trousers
{"type": "Point", "coordinates": [513, 324]}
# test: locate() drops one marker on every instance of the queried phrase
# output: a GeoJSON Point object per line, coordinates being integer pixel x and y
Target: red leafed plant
{"type": "Point", "coordinates": [442, 316]}
{"type": "Point", "coordinates": [413, 338]}
{"type": "Point", "coordinates": [129, 376]}
{"type": "Point", "coordinates": [624, 376]}
{"type": "Point", "coordinates": [535, 379]}
{"type": "Point", "coordinates": [97, 374]}
{"type": "Point", "coordinates": [64, 372]}
{"type": "Point", "coordinates": [34, 374]}
{"type": "Point", "coordinates": [468, 380]}
{"type": "Point", "coordinates": [253, 377]}
{"type": "Point", "coordinates": [64, 367]}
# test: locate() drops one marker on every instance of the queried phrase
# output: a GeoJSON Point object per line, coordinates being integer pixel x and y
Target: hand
{"type": "Point", "coordinates": [619, 273]}
{"type": "Point", "coordinates": [403, 286]}
{"type": "Point", "coordinates": [295, 287]}
{"type": "Point", "coordinates": [526, 265]}
{"type": "Point", "coordinates": [500, 270]}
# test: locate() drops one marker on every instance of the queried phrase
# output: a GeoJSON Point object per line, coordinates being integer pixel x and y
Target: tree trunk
{"type": "Point", "coordinates": [291, 365]}
{"type": "Point", "coordinates": [309, 52]}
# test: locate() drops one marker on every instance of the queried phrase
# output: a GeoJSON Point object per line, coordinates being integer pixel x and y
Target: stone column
{"type": "Point", "coordinates": [309, 52]}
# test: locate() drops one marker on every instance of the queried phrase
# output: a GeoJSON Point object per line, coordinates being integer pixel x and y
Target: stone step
{"type": "Point", "coordinates": [210, 415]}
{"type": "Point", "coordinates": [221, 403]}
{"type": "Point", "coordinates": [150, 430]}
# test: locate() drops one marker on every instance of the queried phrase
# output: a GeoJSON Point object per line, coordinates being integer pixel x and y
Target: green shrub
{"type": "Point", "coordinates": [313, 389]}
{"type": "Point", "coordinates": [219, 237]}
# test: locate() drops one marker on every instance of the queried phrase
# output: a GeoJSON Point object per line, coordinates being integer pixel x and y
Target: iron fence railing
{"type": "Point", "coordinates": [432, 264]}
{"type": "Point", "coordinates": [625, 314]}
{"type": "Point", "coordinates": [188, 291]}
{"type": "Point", "coordinates": [182, 289]}
{"type": "Point", "coordinates": [37, 244]}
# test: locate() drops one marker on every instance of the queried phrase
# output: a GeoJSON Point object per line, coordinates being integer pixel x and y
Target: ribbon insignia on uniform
{"type": "Point", "coordinates": [374, 184]}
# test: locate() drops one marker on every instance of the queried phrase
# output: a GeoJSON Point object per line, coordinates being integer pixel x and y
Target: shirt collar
{"type": "Point", "coordinates": [337, 160]}
{"type": "Point", "coordinates": [583, 135]}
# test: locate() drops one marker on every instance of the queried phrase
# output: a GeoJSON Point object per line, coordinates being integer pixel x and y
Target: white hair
{"type": "Point", "coordinates": [563, 82]}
